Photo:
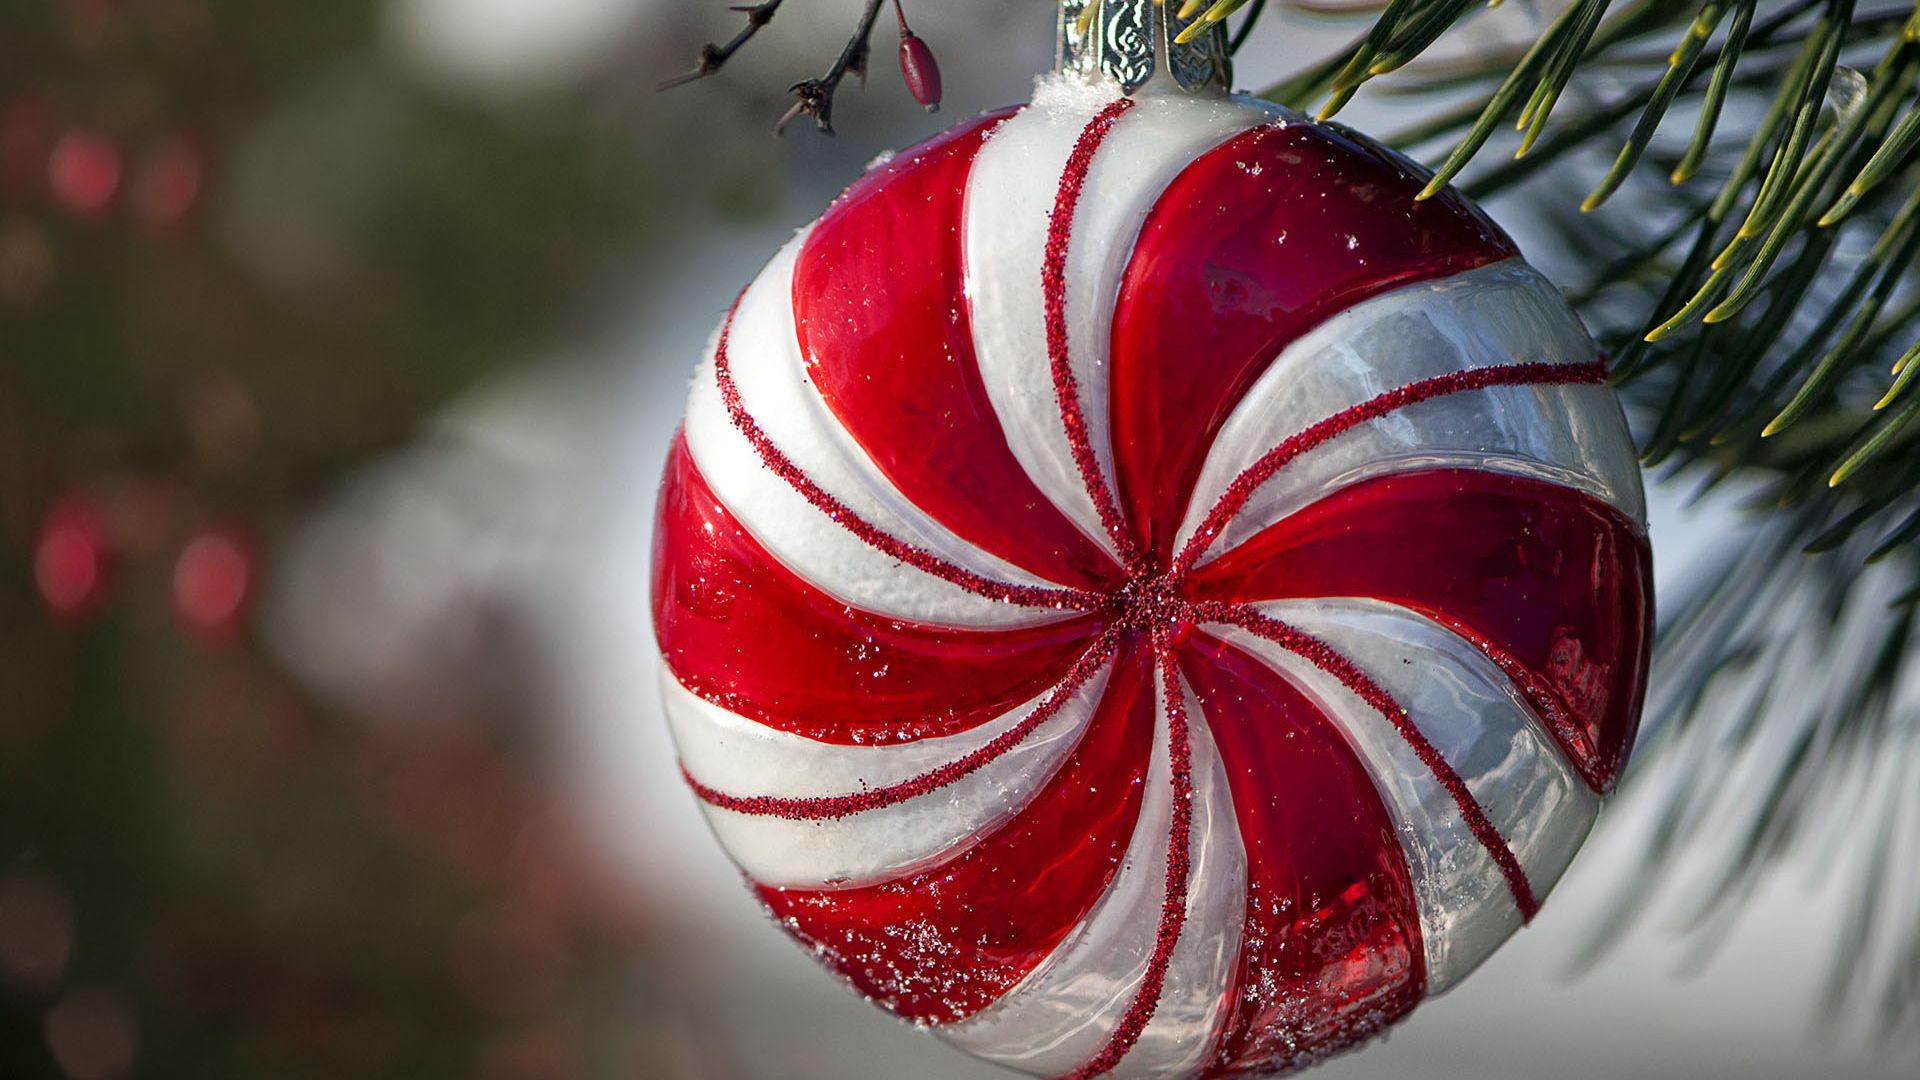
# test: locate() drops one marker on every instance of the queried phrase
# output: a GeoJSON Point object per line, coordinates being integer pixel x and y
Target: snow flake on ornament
{"type": "Point", "coordinates": [1142, 594]}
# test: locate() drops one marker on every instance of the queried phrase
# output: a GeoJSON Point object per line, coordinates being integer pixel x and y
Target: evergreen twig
{"type": "Point", "coordinates": [1753, 293]}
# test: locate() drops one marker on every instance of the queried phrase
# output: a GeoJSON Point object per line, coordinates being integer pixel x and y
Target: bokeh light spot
{"type": "Point", "coordinates": [167, 182]}
{"type": "Point", "coordinates": [70, 560]}
{"type": "Point", "coordinates": [211, 581]}
{"type": "Point", "coordinates": [36, 931]}
{"type": "Point", "coordinates": [94, 1034]}
{"type": "Point", "coordinates": [84, 171]}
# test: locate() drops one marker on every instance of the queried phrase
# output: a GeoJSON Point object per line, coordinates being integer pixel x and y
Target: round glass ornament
{"type": "Point", "coordinates": [1142, 593]}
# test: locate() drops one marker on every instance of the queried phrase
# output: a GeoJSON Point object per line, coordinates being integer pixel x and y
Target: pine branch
{"type": "Point", "coordinates": [1784, 682]}
{"type": "Point", "coordinates": [1758, 292]}
{"type": "Point", "coordinates": [1786, 187]}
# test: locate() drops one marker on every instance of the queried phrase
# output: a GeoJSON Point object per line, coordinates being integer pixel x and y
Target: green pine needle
{"type": "Point", "coordinates": [1906, 136]}
{"type": "Point", "coordinates": [1559, 73]}
{"type": "Point", "coordinates": [1904, 371]}
{"type": "Point", "coordinates": [1523, 74]}
{"type": "Point", "coordinates": [1742, 317]}
{"type": "Point", "coordinates": [1822, 51]}
{"type": "Point", "coordinates": [1874, 443]}
{"type": "Point", "coordinates": [1355, 72]}
{"type": "Point", "coordinates": [1716, 98]}
{"type": "Point", "coordinates": [1413, 38]}
{"type": "Point", "coordinates": [1679, 69]}
{"type": "Point", "coordinates": [1842, 351]}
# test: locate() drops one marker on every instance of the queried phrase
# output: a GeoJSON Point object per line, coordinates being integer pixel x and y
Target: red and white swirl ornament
{"type": "Point", "coordinates": [1141, 594]}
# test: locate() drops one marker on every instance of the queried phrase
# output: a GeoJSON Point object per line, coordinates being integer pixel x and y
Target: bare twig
{"type": "Point", "coordinates": [714, 57]}
{"type": "Point", "coordinates": [816, 95]}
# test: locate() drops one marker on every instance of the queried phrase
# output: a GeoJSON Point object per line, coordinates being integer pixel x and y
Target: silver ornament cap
{"type": "Point", "coordinates": [1133, 42]}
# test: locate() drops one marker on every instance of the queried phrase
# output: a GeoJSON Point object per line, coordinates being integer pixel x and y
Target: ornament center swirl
{"type": "Point", "coordinates": [1150, 601]}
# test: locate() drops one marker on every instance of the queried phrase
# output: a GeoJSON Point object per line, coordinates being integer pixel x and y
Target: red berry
{"type": "Point", "coordinates": [918, 65]}
{"type": "Point", "coordinates": [922, 71]}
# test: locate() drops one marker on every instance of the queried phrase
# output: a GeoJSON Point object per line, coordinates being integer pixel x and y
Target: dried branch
{"type": "Point", "coordinates": [816, 95]}
{"type": "Point", "coordinates": [713, 57]}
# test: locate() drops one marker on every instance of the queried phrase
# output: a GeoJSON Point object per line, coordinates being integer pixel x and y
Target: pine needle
{"type": "Point", "coordinates": [1716, 94]}
{"type": "Point", "coordinates": [1354, 72]}
{"type": "Point", "coordinates": [1412, 39]}
{"type": "Point", "coordinates": [1679, 71]}
{"type": "Point", "coordinates": [1823, 46]}
{"type": "Point", "coordinates": [1906, 136]}
{"type": "Point", "coordinates": [1559, 73]}
{"type": "Point", "coordinates": [1878, 440]}
{"type": "Point", "coordinates": [1523, 75]}
{"type": "Point", "coordinates": [1889, 270]}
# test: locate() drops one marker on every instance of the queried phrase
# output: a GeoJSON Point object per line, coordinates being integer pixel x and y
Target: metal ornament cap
{"type": "Point", "coordinates": [1133, 43]}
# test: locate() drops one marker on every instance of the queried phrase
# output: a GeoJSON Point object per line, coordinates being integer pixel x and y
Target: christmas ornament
{"type": "Point", "coordinates": [1142, 593]}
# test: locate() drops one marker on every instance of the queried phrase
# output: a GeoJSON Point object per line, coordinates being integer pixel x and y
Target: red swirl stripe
{"type": "Point", "coordinates": [830, 807]}
{"type": "Point", "coordinates": [1328, 659]}
{"type": "Point", "coordinates": [743, 632]}
{"type": "Point", "coordinates": [1554, 594]}
{"type": "Point", "coordinates": [941, 944]}
{"type": "Point", "coordinates": [876, 538]}
{"type": "Point", "coordinates": [907, 387]}
{"type": "Point", "coordinates": [1250, 479]}
{"type": "Point", "coordinates": [1257, 241]}
{"type": "Point", "coordinates": [1286, 762]}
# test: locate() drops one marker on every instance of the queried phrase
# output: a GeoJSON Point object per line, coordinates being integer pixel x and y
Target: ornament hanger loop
{"type": "Point", "coordinates": [1135, 43]}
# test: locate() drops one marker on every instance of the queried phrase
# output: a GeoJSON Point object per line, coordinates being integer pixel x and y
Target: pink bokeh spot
{"type": "Point", "coordinates": [212, 580]}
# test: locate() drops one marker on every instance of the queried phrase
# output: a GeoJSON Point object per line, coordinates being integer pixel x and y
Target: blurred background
{"type": "Point", "coordinates": [340, 343]}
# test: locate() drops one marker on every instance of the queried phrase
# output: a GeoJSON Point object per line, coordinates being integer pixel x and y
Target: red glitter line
{"type": "Point", "coordinates": [867, 532]}
{"type": "Point", "coordinates": [830, 807]}
{"type": "Point", "coordinates": [1053, 283]}
{"type": "Point", "coordinates": [1173, 909]}
{"type": "Point", "coordinates": [1244, 485]}
{"type": "Point", "coordinates": [1328, 659]}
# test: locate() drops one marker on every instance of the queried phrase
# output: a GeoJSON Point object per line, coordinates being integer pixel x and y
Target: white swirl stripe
{"type": "Point", "coordinates": [1468, 709]}
{"type": "Point", "coordinates": [732, 753]}
{"type": "Point", "coordinates": [1505, 313]}
{"type": "Point", "coordinates": [763, 352]}
{"type": "Point", "coordinates": [1064, 1010]}
{"type": "Point", "coordinates": [1010, 198]}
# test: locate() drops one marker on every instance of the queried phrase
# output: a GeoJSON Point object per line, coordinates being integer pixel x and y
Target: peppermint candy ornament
{"type": "Point", "coordinates": [1141, 594]}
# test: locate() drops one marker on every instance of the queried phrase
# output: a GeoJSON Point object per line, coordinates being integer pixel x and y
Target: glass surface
{"type": "Point", "coordinates": [1217, 878]}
